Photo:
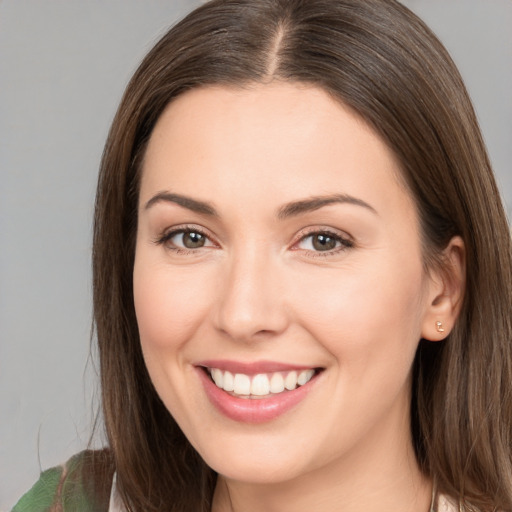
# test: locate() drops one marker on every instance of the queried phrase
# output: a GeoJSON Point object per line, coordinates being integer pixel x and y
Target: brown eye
{"type": "Point", "coordinates": [323, 242]}
{"type": "Point", "coordinates": [185, 239]}
{"type": "Point", "coordinates": [192, 239]}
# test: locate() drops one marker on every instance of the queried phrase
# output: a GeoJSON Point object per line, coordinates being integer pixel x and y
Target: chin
{"type": "Point", "coordinates": [258, 463]}
{"type": "Point", "coordinates": [256, 472]}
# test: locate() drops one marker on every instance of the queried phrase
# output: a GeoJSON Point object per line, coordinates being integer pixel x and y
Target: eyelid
{"type": "Point", "coordinates": [346, 241]}
{"type": "Point", "coordinates": [167, 234]}
{"type": "Point", "coordinates": [344, 238]}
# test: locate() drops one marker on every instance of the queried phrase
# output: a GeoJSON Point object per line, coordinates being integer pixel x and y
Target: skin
{"type": "Point", "coordinates": [260, 290]}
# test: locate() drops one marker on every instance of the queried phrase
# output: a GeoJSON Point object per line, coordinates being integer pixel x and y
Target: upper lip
{"type": "Point", "coordinates": [253, 368]}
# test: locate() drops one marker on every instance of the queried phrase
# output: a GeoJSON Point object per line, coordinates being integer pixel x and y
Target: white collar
{"type": "Point", "coordinates": [115, 504]}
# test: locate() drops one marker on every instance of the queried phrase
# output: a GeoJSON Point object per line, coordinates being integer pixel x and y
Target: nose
{"type": "Point", "coordinates": [251, 303]}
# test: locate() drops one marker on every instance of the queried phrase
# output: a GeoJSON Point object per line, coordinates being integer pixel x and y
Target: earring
{"type": "Point", "coordinates": [439, 327]}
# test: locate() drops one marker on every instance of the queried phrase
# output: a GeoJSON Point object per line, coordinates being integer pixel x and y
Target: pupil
{"type": "Point", "coordinates": [323, 243]}
{"type": "Point", "coordinates": [192, 240]}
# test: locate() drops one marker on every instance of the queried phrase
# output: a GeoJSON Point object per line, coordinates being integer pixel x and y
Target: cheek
{"type": "Point", "coordinates": [168, 305]}
{"type": "Point", "coordinates": [363, 311]}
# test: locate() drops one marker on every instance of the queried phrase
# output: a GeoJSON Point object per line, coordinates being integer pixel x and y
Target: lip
{"type": "Point", "coordinates": [247, 410]}
{"type": "Point", "coordinates": [252, 368]}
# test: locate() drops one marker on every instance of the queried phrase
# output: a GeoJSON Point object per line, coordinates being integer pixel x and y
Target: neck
{"type": "Point", "coordinates": [382, 475]}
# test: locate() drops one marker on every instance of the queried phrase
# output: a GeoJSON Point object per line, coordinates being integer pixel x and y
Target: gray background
{"type": "Point", "coordinates": [63, 67]}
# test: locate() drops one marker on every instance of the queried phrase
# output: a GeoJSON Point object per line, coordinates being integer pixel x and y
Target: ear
{"type": "Point", "coordinates": [445, 292]}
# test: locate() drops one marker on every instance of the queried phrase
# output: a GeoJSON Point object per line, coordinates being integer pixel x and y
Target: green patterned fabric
{"type": "Point", "coordinates": [81, 485]}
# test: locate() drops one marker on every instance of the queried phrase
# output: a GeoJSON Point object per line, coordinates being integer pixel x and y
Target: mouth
{"type": "Point", "coordinates": [256, 392]}
{"type": "Point", "coordinates": [260, 385]}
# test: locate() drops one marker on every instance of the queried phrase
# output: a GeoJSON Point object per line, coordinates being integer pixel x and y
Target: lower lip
{"type": "Point", "coordinates": [257, 410]}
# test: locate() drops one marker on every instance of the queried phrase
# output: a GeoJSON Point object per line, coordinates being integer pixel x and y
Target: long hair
{"type": "Point", "coordinates": [380, 60]}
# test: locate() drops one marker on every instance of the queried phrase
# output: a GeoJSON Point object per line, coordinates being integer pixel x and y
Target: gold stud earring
{"type": "Point", "coordinates": [439, 327]}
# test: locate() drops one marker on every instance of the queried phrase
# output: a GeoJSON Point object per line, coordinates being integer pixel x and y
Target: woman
{"type": "Point", "coordinates": [302, 274]}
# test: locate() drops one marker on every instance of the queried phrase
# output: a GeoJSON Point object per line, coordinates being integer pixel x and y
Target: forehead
{"type": "Point", "coordinates": [291, 137]}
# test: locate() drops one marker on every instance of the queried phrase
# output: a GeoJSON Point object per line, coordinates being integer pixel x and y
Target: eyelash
{"type": "Point", "coordinates": [345, 242]}
{"type": "Point", "coordinates": [165, 237]}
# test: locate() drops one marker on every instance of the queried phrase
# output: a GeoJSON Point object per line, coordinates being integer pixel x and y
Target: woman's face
{"type": "Point", "coordinates": [278, 253]}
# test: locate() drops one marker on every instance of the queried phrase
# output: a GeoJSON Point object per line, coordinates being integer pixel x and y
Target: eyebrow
{"type": "Point", "coordinates": [194, 205]}
{"type": "Point", "coordinates": [288, 210]}
{"type": "Point", "coordinates": [315, 203]}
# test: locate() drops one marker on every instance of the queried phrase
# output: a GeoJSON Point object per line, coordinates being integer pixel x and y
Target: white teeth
{"type": "Point", "coordinates": [217, 377]}
{"type": "Point", "coordinates": [229, 382]}
{"type": "Point", "coordinates": [290, 383]}
{"type": "Point", "coordinates": [277, 383]}
{"type": "Point", "coordinates": [304, 377]}
{"type": "Point", "coordinates": [242, 384]}
{"type": "Point", "coordinates": [261, 384]}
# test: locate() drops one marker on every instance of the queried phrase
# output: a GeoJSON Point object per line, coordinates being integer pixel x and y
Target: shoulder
{"type": "Point", "coordinates": [82, 484]}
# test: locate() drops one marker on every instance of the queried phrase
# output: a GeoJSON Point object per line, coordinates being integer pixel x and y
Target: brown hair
{"type": "Point", "coordinates": [383, 62]}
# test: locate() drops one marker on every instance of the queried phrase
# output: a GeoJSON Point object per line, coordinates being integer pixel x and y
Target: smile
{"type": "Point", "coordinates": [256, 392]}
{"type": "Point", "coordinates": [260, 385]}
